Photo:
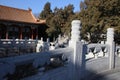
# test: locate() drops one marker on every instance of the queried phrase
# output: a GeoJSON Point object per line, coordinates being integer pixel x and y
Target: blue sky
{"type": "Point", "coordinates": [37, 5]}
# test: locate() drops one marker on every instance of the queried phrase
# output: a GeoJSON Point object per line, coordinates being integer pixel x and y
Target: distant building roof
{"type": "Point", "coordinates": [19, 15]}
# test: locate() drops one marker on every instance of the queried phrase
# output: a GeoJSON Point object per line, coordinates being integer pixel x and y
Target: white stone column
{"type": "Point", "coordinates": [110, 35]}
{"type": "Point", "coordinates": [111, 44]}
{"type": "Point", "coordinates": [78, 56]}
{"type": "Point", "coordinates": [75, 32]}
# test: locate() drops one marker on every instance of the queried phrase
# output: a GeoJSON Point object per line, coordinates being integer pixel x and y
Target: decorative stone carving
{"type": "Point", "coordinates": [110, 35]}
{"type": "Point", "coordinates": [75, 32]}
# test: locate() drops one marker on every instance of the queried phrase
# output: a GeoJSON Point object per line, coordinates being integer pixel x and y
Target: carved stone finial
{"type": "Point", "coordinates": [110, 35]}
{"type": "Point", "coordinates": [75, 33]}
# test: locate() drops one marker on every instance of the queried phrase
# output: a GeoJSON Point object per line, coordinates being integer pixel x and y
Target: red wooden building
{"type": "Point", "coordinates": [20, 24]}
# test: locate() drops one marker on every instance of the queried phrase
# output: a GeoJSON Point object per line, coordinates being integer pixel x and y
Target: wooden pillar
{"type": "Point", "coordinates": [6, 34]}
{"type": "Point", "coordinates": [21, 33]}
{"type": "Point", "coordinates": [31, 33]}
{"type": "Point", "coordinates": [1, 33]}
{"type": "Point", "coordinates": [36, 33]}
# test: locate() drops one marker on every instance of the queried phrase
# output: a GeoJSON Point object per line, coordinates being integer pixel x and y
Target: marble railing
{"type": "Point", "coordinates": [97, 50]}
{"type": "Point", "coordinates": [12, 47]}
{"type": "Point", "coordinates": [16, 42]}
{"type": "Point", "coordinates": [100, 50]}
{"type": "Point", "coordinates": [63, 64]}
{"type": "Point", "coordinates": [38, 62]}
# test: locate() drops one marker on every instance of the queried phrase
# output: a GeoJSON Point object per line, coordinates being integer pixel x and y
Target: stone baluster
{"type": "Point", "coordinates": [25, 42]}
{"type": "Point", "coordinates": [40, 45]}
{"type": "Point", "coordinates": [78, 56]}
{"type": "Point", "coordinates": [42, 39]}
{"type": "Point", "coordinates": [13, 41]}
{"type": "Point", "coordinates": [48, 40]}
{"type": "Point", "coordinates": [47, 44]}
{"type": "Point", "coordinates": [111, 44]}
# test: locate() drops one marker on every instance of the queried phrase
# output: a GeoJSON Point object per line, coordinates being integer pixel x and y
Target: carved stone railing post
{"type": "Point", "coordinates": [40, 44]}
{"type": "Point", "coordinates": [48, 40]}
{"type": "Point", "coordinates": [111, 44]}
{"type": "Point", "coordinates": [75, 32]}
{"type": "Point", "coordinates": [78, 56]}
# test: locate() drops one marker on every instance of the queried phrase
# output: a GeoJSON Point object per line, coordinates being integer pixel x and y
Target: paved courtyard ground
{"type": "Point", "coordinates": [111, 76]}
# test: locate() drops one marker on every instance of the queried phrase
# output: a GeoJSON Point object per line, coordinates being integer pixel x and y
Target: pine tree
{"type": "Point", "coordinates": [98, 15]}
{"type": "Point", "coordinates": [46, 11]}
